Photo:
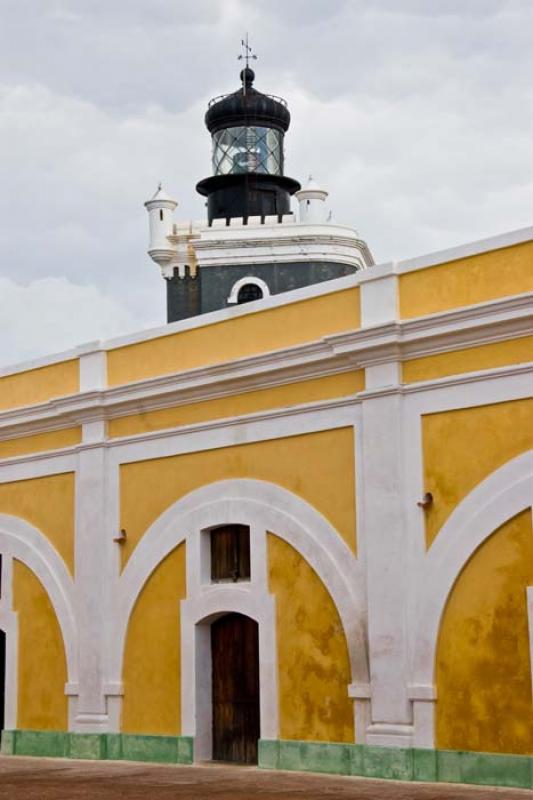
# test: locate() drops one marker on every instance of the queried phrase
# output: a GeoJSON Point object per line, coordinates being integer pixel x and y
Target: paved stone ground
{"type": "Point", "coordinates": [51, 779]}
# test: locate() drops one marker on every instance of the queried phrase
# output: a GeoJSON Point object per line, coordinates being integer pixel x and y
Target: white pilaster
{"type": "Point", "coordinates": [379, 296]}
{"type": "Point", "coordinates": [378, 376]}
{"type": "Point", "coordinates": [9, 624]}
{"type": "Point", "coordinates": [386, 563]}
{"type": "Point", "coordinates": [93, 370]}
{"type": "Point", "coordinates": [361, 694]}
{"type": "Point", "coordinates": [91, 590]}
{"type": "Point", "coordinates": [423, 698]}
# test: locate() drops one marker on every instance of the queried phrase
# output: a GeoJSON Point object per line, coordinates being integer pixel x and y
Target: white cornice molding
{"type": "Point", "coordinates": [486, 375]}
{"type": "Point", "coordinates": [324, 409]}
{"type": "Point", "coordinates": [395, 341]}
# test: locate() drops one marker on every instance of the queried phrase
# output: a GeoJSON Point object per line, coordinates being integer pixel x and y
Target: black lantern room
{"type": "Point", "coordinates": [247, 130]}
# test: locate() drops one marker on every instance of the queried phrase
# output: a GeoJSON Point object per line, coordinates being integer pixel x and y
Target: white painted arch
{"type": "Point", "coordinates": [261, 505]}
{"type": "Point", "coordinates": [24, 542]}
{"type": "Point", "coordinates": [233, 297]}
{"type": "Point", "coordinates": [503, 494]}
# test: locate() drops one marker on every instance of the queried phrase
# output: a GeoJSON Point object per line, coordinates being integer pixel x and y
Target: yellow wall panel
{"type": "Point", "coordinates": [258, 332]}
{"type": "Point", "coordinates": [47, 503]}
{"type": "Point", "coordinates": [277, 397]}
{"type": "Point", "coordinates": [53, 440]}
{"type": "Point", "coordinates": [313, 663]}
{"type": "Point", "coordinates": [42, 670]}
{"type": "Point", "coordinates": [319, 467]}
{"type": "Point", "coordinates": [463, 447]}
{"type": "Point", "coordinates": [470, 359]}
{"type": "Point", "coordinates": [483, 664]}
{"type": "Point", "coordinates": [39, 385]}
{"type": "Point", "coordinates": [152, 659]}
{"type": "Point", "coordinates": [466, 281]}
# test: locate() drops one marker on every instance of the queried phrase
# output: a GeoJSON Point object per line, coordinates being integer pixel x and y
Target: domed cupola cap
{"type": "Point", "coordinates": [247, 107]}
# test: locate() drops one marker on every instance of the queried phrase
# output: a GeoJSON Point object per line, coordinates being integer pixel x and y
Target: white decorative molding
{"type": "Point", "coordinates": [196, 679]}
{"type": "Point", "coordinates": [214, 434]}
{"type": "Point", "coordinates": [9, 625]}
{"type": "Point", "coordinates": [372, 347]}
{"type": "Point", "coordinates": [249, 279]}
{"type": "Point", "coordinates": [20, 540]}
{"type": "Point", "coordinates": [266, 507]}
{"type": "Point", "coordinates": [37, 465]}
{"type": "Point", "coordinates": [255, 242]}
{"type": "Point", "coordinates": [504, 493]}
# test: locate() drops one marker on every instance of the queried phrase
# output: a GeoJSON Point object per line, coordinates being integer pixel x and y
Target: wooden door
{"type": "Point", "coordinates": [235, 660]}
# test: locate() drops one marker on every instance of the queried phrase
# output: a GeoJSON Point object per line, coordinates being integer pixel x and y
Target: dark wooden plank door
{"type": "Point", "coordinates": [235, 660]}
{"type": "Point", "coordinates": [2, 678]}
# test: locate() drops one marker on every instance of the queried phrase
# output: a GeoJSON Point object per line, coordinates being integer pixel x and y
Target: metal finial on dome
{"type": "Point", "coordinates": [247, 75]}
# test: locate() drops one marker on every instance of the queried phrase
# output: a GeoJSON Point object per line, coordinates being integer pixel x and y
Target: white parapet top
{"type": "Point", "coordinates": [273, 240]}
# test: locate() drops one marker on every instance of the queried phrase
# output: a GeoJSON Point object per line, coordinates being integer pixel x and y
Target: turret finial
{"type": "Point", "coordinates": [247, 74]}
{"type": "Point", "coordinates": [246, 52]}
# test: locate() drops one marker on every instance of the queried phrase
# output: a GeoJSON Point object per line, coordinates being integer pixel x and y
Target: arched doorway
{"type": "Point", "coordinates": [2, 679]}
{"type": "Point", "coordinates": [235, 688]}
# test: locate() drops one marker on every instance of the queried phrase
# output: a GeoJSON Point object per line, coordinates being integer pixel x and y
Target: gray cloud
{"type": "Point", "coordinates": [416, 116]}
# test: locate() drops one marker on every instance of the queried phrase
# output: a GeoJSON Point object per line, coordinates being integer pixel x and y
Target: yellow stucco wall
{"type": "Point", "coordinates": [152, 658]}
{"type": "Point", "coordinates": [47, 503]}
{"type": "Point", "coordinates": [466, 281]}
{"type": "Point", "coordinates": [463, 447]}
{"type": "Point", "coordinates": [292, 394]}
{"type": "Point", "coordinates": [470, 359]}
{"type": "Point", "coordinates": [39, 385]}
{"type": "Point", "coordinates": [42, 670]}
{"type": "Point", "coordinates": [319, 467]}
{"type": "Point", "coordinates": [483, 666]}
{"type": "Point", "coordinates": [54, 440]}
{"type": "Point", "coordinates": [313, 663]}
{"type": "Point", "coordinates": [256, 332]}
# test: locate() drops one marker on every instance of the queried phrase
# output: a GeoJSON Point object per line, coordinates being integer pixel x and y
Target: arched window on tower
{"type": "Point", "coordinates": [249, 292]}
{"type": "Point", "coordinates": [247, 289]}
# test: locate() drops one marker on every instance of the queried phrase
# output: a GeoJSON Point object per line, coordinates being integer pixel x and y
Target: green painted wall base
{"type": "Point", "coordinates": [110, 746]}
{"type": "Point", "coordinates": [395, 763]}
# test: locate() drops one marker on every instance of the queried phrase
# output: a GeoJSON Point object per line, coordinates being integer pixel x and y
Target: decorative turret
{"type": "Point", "coordinates": [312, 200]}
{"type": "Point", "coordinates": [247, 130]}
{"type": "Point", "coordinates": [161, 214]}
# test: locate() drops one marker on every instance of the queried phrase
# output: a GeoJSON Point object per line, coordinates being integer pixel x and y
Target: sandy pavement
{"type": "Point", "coordinates": [54, 779]}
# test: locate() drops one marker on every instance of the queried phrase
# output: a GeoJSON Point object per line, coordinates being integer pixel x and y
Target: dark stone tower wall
{"type": "Point", "coordinates": [210, 289]}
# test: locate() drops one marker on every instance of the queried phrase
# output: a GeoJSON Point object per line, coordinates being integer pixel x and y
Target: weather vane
{"type": "Point", "coordinates": [246, 52]}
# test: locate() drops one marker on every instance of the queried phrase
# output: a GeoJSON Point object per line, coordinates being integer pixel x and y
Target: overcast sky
{"type": "Point", "coordinates": [416, 115]}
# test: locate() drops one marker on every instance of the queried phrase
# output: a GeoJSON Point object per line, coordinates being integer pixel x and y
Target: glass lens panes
{"type": "Point", "coordinates": [237, 150]}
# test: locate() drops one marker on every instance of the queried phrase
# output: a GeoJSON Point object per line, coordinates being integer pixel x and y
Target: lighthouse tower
{"type": "Point", "coordinates": [252, 244]}
{"type": "Point", "coordinates": [247, 131]}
